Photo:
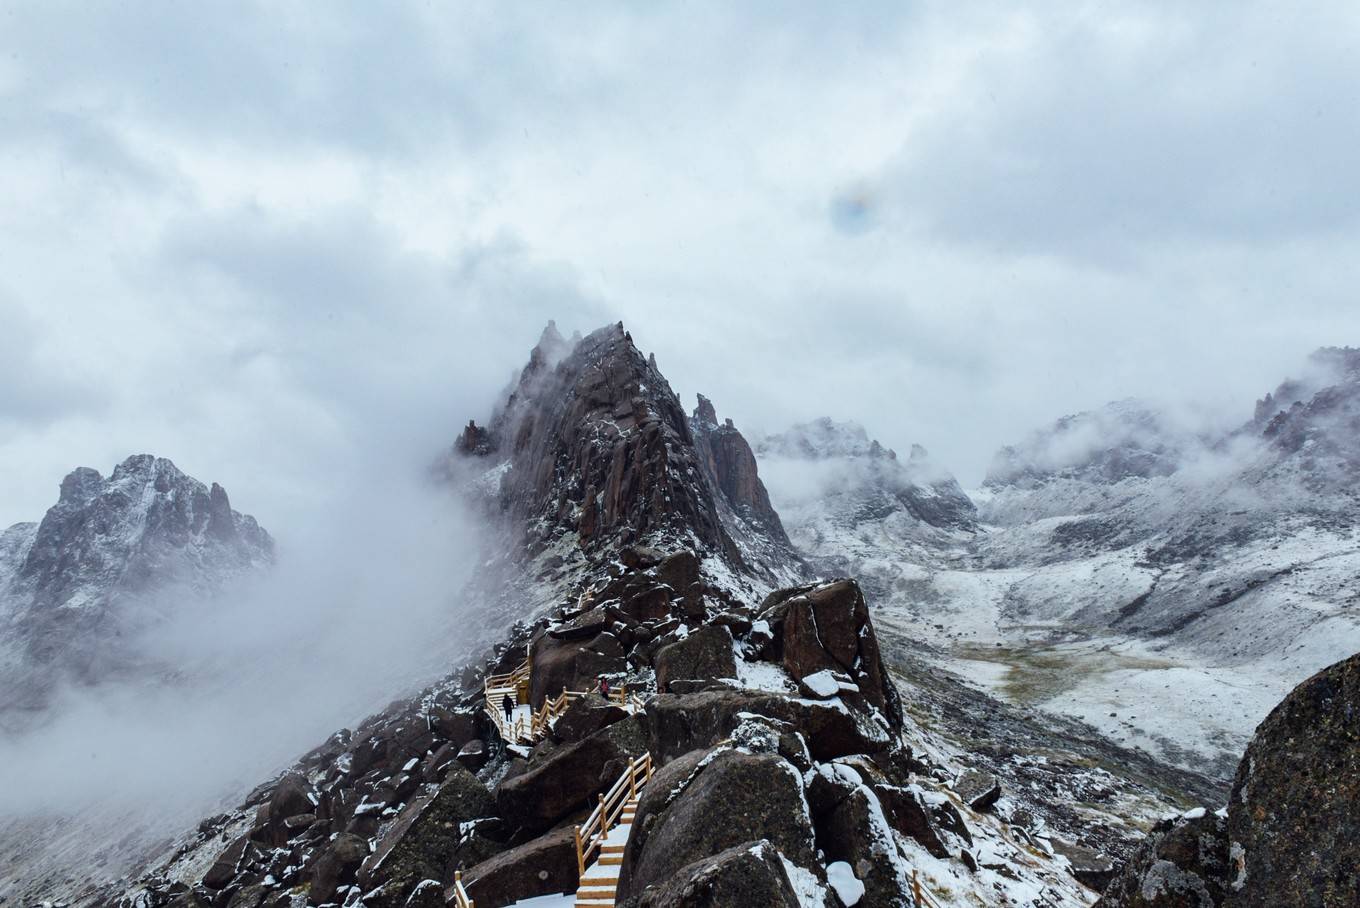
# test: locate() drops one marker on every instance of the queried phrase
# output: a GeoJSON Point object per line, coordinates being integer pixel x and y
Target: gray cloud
{"type": "Point", "coordinates": [288, 245]}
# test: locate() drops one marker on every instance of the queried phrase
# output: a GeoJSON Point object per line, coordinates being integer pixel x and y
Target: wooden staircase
{"type": "Point", "coordinates": [605, 834]}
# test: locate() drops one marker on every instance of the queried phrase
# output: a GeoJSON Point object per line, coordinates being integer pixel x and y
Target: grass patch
{"type": "Point", "coordinates": [1038, 673]}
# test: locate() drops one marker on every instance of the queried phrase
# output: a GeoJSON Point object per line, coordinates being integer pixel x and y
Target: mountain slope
{"type": "Point", "coordinates": [639, 547]}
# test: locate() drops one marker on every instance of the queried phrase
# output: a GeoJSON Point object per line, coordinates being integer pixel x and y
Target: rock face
{"type": "Point", "coordinates": [730, 467]}
{"type": "Point", "coordinates": [591, 453]}
{"type": "Point", "coordinates": [424, 839]}
{"type": "Point", "coordinates": [74, 585]}
{"type": "Point", "coordinates": [1292, 819]}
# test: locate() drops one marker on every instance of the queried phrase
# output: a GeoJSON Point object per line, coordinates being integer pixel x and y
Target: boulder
{"type": "Point", "coordinates": [456, 726]}
{"type": "Point", "coordinates": [828, 628]}
{"type": "Point", "coordinates": [584, 717]}
{"type": "Point", "coordinates": [1092, 869]}
{"type": "Point", "coordinates": [473, 755]}
{"type": "Point", "coordinates": [543, 866]}
{"type": "Point", "coordinates": [750, 875]}
{"type": "Point", "coordinates": [680, 572]}
{"type": "Point", "coordinates": [1183, 864]}
{"type": "Point", "coordinates": [677, 724]}
{"type": "Point", "coordinates": [856, 832]}
{"type": "Point", "coordinates": [421, 842]}
{"type": "Point", "coordinates": [651, 604]}
{"type": "Point", "coordinates": [570, 664]}
{"type": "Point", "coordinates": [338, 865]}
{"type": "Point", "coordinates": [703, 655]}
{"type": "Point", "coordinates": [570, 777]}
{"type": "Point", "coordinates": [1292, 820]}
{"type": "Point", "coordinates": [979, 790]}
{"type": "Point", "coordinates": [232, 858]}
{"type": "Point", "coordinates": [703, 804]}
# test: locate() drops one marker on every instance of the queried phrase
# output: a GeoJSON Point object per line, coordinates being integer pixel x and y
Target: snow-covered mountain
{"type": "Point", "coordinates": [853, 508]}
{"type": "Point", "coordinates": [107, 560]}
{"type": "Point", "coordinates": [1165, 582]}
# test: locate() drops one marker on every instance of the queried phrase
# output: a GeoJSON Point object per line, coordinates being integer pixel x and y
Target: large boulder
{"type": "Point", "coordinates": [750, 875]}
{"type": "Point", "coordinates": [229, 862]}
{"type": "Point", "coordinates": [570, 777]}
{"type": "Point", "coordinates": [338, 865]}
{"type": "Point", "coordinates": [679, 723]}
{"type": "Point", "coordinates": [585, 716]}
{"type": "Point", "coordinates": [1293, 821]}
{"type": "Point", "coordinates": [702, 804]}
{"type": "Point", "coordinates": [543, 866]}
{"type": "Point", "coordinates": [856, 831]}
{"type": "Point", "coordinates": [1182, 864]}
{"type": "Point", "coordinates": [569, 664]}
{"type": "Point", "coordinates": [422, 841]}
{"type": "Point", "coordinates": [703, 655]}
{"type": "Point", "coordinates": [828, 628]}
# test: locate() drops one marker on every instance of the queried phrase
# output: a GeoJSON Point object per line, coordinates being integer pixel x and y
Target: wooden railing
{"type": "Point", "coordinates": [516, 683]}
{"type": "Point", "coordinates": [921, 898]}
{"type": "Point", "coordinates": [460, 896]}
{"type": "Point", "coordinates": [590, 836]}
{"type": "Point", "coordinates": [620, 696]}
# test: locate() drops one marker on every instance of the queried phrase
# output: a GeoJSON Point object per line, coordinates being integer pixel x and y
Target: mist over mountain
{"type": "Point", "coordinates": [1102, 624]}
{"type": "Point", "coordinates": [106, 563]}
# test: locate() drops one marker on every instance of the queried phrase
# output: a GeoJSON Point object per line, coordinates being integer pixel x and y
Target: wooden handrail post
{"type": "Point", "coordinates": [580, 857]}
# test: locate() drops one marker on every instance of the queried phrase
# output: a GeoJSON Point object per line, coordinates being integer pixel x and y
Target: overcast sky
{"type": "Point", "coordinates": [296, 245]}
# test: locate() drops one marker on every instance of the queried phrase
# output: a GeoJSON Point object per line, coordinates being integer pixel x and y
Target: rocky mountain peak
{"type": "Point", "coordinates": [106, 541]}
{"type": "Point", "coordinates": [597, 453]}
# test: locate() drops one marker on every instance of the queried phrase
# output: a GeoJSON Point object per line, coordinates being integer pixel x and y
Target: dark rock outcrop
{"type": "Point", "coordinates": [827, 628]}
{"type": "Point", "coordinates": [599, 446]}
{"type": "Point", "coordinates": [1292, 817]}
{"type": "Point", "coordinates": [677, 724]}
{"type": "Point", "coordinates": [730, 466]}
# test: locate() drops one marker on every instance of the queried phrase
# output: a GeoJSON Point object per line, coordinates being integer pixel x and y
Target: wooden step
{"type": "Point", "coordinates": [611, 860]}
{"type": "Point", "coordinates": [612, 849]}
{"type": "Point", "coordinates": [592, 881]}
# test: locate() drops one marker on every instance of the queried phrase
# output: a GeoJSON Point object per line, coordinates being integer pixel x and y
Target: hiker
{"type": "Point", "coordinates": [604, 688]}
{"type": "Point", "coordinates": [508, 704]}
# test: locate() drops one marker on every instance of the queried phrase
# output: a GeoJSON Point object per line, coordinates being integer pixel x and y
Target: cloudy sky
{"type": "Point", "coordinates": [295, 246]}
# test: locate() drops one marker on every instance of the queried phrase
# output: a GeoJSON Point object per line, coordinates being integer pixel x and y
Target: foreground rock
{"type": "Point", "coordinates": [544, 866]}
{"type": "Point", "coordinates": [750, 874]}
{"type": "Point", "coordinates": [1293, 820]}
{"type": "Point", "coordinates": [704, 803]}
{"type": "Point", "coordinates": [1184, 864]}
{"type": "Point", "coordinates": [423, 840]}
